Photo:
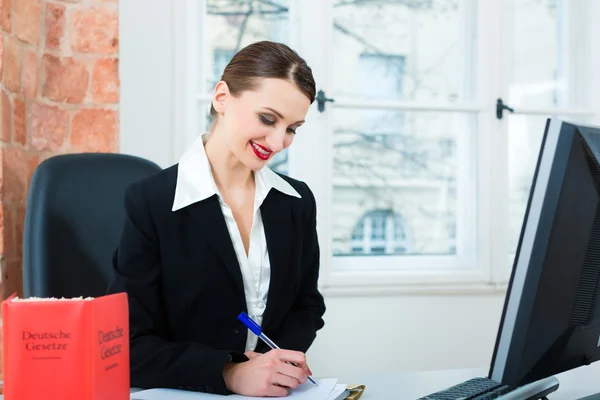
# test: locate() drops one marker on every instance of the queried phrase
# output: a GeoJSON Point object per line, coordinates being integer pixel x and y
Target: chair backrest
{"type": "Point", "coordinates": [73, 222]}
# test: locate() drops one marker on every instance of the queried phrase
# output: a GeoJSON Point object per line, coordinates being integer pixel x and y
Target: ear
{"type": "Point", "coordinates": [220, 96]}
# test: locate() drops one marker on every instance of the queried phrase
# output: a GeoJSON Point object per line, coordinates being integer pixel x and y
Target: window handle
{"type": "Point", "coordinates": [500, 107]}
{"type": "Point", "coordinates": [321, 100]}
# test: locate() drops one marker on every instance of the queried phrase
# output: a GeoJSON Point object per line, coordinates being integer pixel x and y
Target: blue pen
{"type": "Point", "coordinates": [255, 328]}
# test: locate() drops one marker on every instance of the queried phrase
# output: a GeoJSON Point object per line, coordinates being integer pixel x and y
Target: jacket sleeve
{"type": "Point", "coordinates": [155, 361]}
{"type": "Point", "coordinates": [300, 326]}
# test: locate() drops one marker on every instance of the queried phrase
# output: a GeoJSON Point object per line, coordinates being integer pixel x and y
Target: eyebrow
{"type": "Point", "coordinates": [281, 116]}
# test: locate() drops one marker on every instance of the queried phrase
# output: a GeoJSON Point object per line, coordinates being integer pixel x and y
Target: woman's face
{"type": "Point", "coordinates": [259, 124]}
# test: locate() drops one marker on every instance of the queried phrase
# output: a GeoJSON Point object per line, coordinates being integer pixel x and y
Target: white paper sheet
{"type": "Point", "coordinates": [337, 390]}
{"type": "Point", "coordinates": [325, 391]}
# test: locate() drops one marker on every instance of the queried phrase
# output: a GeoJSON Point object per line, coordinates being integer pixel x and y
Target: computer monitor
{"type": "Point", "coordinates": [551, 317]}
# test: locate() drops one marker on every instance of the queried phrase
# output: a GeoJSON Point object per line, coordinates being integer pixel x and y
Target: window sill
{"type": "Point", "coordinates": [399, 289]}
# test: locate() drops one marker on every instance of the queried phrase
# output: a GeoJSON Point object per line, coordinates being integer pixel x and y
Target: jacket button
{"type": "Point", "coordinates": [237, 331]}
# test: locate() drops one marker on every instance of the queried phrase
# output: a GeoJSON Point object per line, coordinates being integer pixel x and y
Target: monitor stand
{"type": "Point", "coordinates": [533, 391]}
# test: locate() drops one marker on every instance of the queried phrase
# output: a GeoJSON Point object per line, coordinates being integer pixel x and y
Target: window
{"type": "Point", "coordinates": [380, 232]}
{"type": "Point", "coordinates": [416, 178]}
{"type": "Point", "coordinates": [380, 77]}
{"type": "Point", "coordinates": [452, 237]}
{"type": "Point", "coordinates": [221, 58]}
{"type": "Point", "coordinates": [386, 156]}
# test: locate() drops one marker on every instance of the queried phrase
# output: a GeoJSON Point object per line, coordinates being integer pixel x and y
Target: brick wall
{"type": "Point", "coordinates": [59, 93]}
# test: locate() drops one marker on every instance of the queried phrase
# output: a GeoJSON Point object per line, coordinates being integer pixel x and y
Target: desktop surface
{"type": "Point", "coordinates": [578, 384]}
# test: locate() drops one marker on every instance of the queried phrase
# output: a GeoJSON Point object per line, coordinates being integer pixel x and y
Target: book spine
{"type": "Point", "coordinates": [7, 337]}
{"type": "Point", "coordinates": [6, 375]}
{"type": "Point", "coordinates": [111, 348]}
{"type": "Point", "coordinates": [88, 331]}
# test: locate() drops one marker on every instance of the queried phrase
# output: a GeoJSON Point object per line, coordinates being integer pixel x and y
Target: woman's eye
{"type": "Point", "coordinates": [266, 121]}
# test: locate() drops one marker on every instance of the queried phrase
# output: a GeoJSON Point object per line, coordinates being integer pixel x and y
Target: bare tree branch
{"type": "Point", "coordinates": [243, 26]}
{"type": "Point", "coordinates": [418, 4]}
{"type": "Point", "coordinates": [279, 7]}
{"type": "Point", "coordinates": [239, 13]}
{"type": "Point", "coordinates": [356, 37]}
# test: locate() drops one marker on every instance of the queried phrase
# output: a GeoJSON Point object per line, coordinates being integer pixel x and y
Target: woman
{"type": "Point", "coordinates": [220, 233]}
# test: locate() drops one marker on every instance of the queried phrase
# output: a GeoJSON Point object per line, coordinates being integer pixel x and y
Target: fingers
{"type": "Point", "coordinates": [276, 391]}
{"type": "Point", "coordinates": [306, 369]}
{"type": "Point", "coordinates": [296, 373]}
{"type": "Point", "coordinates": [251, 354]}
{"type": "Point", "coordinates": [295, 357]}
{"type": "Point", "coordinates": [285, 380]}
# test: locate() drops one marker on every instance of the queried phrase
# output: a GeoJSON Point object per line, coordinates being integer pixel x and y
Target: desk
{"type": "Point", "coordinates": [574, 385]}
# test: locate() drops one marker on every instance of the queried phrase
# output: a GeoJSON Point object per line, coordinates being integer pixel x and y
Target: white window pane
{"type": "Point", "coordinates": [232, 25]}
{"type": "Point", "coordinates": [546, 47]}
{"type": "Point", "coordinates": [405, 50]}
{"type": "Point", "coordinates": [396, 193]}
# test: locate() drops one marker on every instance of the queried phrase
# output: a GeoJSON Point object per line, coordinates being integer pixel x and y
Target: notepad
{"type": "Point", "coordinates": [328, 389]}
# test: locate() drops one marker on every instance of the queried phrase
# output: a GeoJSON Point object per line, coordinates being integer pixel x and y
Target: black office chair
{"type": "Point", "coordinates": [73, 221]}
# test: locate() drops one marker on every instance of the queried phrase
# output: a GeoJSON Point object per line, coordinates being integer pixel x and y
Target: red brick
{"type": "Point", "coordinates": [95, 30]}
{"type": "Point", "coordinates": [95, 130]}
{"type": "Point", "coordinates": [66, 79]}
{"type": "Point", "coordinates": [105, 81]}
{"type": "Point", "coordinates": [7, 113]}
{"type": "Point", "coordinates": [19, 221]}
{"type": "Point", "coordinates": [33, 164]}
{"type": "Point", "coordinates": [29, 74]}
{"type": "Point", "coordinates": [6, 15]}
{"type": "Point", "coordinates": [8, 232]}
{"type": "Point", "coordinates": [12, 278]}
{"type": "Point", "coordinates": [19, 121]}
{"type": "Point", "coordinates": [55, 25]}
{"type": "Point", "coordinates": [27, 20]}
{"type": "Point", "coordinates": [16, 171]}
{"type": "Point", "coordinates": [48, 126]}
{"type": "Point", "coordinates": [1, 54]}
{"type": "Point", "coordinates": [12, 55]}
{"type": "Point", "coordinates": [1, 175]}
{"type": "Point", "coordinates": [2, 228]}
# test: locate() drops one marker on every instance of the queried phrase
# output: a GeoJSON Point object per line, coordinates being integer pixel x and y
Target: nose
{"type": "Point", "coordinates": [275, 140]}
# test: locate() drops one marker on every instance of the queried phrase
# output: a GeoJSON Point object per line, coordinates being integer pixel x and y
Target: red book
{"type": "Point", "coordinates": [63, 349]}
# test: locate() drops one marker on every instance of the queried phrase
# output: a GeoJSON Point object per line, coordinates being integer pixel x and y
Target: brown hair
{"type": "Point", "coordinates": [267, 60]}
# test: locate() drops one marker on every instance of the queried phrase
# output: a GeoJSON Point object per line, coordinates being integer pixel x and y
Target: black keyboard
{"type": "Point", "coordinates": [473, 389]}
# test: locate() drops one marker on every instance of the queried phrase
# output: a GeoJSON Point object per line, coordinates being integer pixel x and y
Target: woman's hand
{"type": "Point", "coordinates": [267, 374]}
{"type": "Point", "coordinates": [251, 354]}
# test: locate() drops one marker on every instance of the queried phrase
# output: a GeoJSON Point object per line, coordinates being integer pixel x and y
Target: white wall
{"type": "Point", "coordinates": [146, 75]}
{"type": "Point", "coordinates": [362, 334]}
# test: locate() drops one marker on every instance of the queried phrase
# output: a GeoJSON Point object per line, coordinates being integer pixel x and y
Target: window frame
{"type": "Point", "coordinates": [486, 267]}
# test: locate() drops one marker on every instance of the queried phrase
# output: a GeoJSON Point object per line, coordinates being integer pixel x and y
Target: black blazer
{"type": "Point", "coordinates": [185, 287]}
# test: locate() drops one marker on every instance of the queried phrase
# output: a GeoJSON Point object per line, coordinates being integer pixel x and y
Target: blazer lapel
{"type": "Point", "coordinates": [276, 213]}
{"type": "Point", "coordinates": [208, 219]}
